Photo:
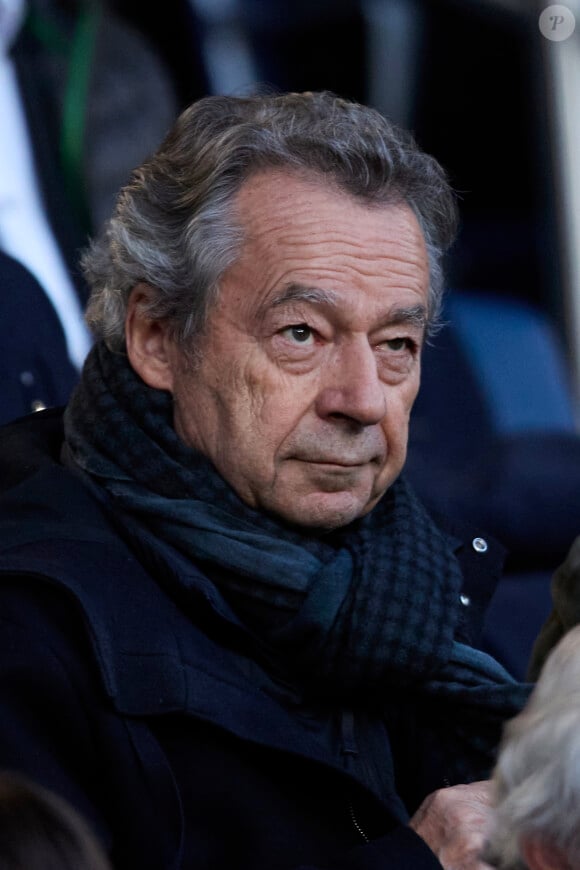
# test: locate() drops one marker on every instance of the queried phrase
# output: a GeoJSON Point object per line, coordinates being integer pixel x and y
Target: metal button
{"type": "Point", "coordinates": [38, 405]}
{"type": "Point", "coordinates": [465, 600]}
{"type": "Point", "coordinates": [26, 379]}
{"type": "Point", "coordinates": [479, 545]}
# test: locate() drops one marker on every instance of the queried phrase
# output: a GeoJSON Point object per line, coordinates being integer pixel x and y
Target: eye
{"type": "Point", "coordinates": [398, 344]}
{"type": "Point", "coordinates": [301, 333]}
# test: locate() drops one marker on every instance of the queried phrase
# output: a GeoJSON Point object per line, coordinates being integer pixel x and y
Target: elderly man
{"type": "Point", "coordinates": [536, 781]}
{"type": "Point", "coordinates": [231, 635]}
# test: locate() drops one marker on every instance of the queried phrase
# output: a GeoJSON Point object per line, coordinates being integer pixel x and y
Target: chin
{"type": "Point", "coordinates": [325, 512]}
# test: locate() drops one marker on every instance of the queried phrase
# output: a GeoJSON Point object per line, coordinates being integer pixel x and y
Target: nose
{"type": "Point", "coordinates": [351, 387]}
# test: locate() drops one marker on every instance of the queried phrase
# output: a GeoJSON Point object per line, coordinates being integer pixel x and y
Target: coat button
{"type": "Point", "coordinates": [479, 545]}
{"type": "Point", "coordinates": [37, 405]}
{"type": "Point", "coordinates": [26, 379]}
{"type": "Point", "coordinates": [465, 600]}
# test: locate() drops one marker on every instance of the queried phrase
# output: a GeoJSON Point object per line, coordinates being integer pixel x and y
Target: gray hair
{"type": "Point", "coordinates": [174, 226]}
{"type": "Point", "coordinates": [537, 776]}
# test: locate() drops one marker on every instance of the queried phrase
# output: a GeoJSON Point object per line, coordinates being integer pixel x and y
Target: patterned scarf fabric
{"type": "Point", "coordinates": [369, 606]}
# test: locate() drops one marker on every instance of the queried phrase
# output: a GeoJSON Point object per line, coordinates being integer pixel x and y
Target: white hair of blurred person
{"type": "Point", "coordinates": [536, 780]}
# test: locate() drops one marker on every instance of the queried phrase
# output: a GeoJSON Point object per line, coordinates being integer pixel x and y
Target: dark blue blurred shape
{"type": "Point", "coordinates": [494, 442]}
{"type": "Point", "coordinates": [35, 370]}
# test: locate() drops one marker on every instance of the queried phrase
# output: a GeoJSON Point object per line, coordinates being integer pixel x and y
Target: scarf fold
{"type": "Point", "coordinates": [351, 612]}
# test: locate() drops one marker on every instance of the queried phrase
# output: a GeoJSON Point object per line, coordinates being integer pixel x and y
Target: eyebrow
{"type": "Point", "coordinates": [415, 315]}
{"type": "Point", "coordinates": [302, 293]}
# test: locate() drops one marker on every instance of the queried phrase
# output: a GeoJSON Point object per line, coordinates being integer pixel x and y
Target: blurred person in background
{"type": "Point", "coordinates": [84, 99]}
{"type": "Point", "coordinates": [536, 781]}
{"type": "Point", "coordinates": [565, 613]}
{"type": "Point", "coordinates": [41, 831]}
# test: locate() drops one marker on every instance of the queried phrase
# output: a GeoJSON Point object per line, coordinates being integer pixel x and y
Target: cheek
{"type": "Point", "coordinates": [254, 411]}
{"type": "Point", "coordinates": [263, 411]}
{"type": "Point", "coordinates": [410, 391]}
{"type": "Point", "coordinates": [396, 424]}
{"type": "Point", "coordinates": [273, 397]}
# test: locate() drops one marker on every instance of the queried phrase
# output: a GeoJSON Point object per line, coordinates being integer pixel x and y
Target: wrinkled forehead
{"type": "Point", "coordinates": [278, 186]}
{"type": "Point", "coordinates": [280, 211]}
{"type": "Point", "coordinates": [308, 243]}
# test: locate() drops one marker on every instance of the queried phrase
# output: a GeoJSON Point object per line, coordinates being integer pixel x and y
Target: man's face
{"type": "Point", "coordinates": [311, 360]}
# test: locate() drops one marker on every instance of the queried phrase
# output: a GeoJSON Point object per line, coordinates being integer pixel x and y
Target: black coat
{"type": "Point", "coordinates": [147, 709]}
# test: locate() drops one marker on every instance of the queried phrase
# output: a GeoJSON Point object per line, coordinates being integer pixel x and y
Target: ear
{"type": "Point", "coordinates": [541, 855]}
{"type": "Point", "coordinates": [149, 346]}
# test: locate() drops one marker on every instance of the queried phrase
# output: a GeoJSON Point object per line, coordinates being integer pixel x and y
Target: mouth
{"type": "Point", "coordinates": [330, 462]}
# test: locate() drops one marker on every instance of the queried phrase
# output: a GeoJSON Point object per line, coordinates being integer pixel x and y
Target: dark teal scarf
{"type": "Point", "coordinates": [353, 612]}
